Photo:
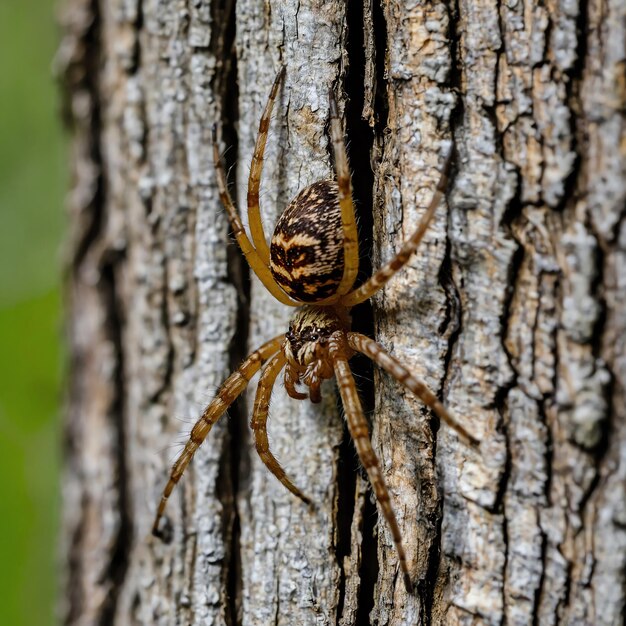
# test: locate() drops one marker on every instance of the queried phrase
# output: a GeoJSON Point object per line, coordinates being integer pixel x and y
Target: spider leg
{"type": "Point", "coordinates": [259, 423]}
{"type": "Point", "coordinates": [252, 256]}
{"type": "Point", "coordinates": [376, 353]}
{"type": "Point", "coordinates": [348, 221]}
{"type": "Point", "coordinates": [380, 278]}
{"type": "Point", "coordinates": [256, 168]}
{"type": "Point", "coordinates": [359, 431]}
{"type": "Point", "coordinates": [229, 391]}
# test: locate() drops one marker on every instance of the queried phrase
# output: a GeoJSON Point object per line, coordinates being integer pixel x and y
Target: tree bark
{"type": "Point", "coordinates": [513, 310]}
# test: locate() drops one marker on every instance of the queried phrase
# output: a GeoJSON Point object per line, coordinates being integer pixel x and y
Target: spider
{"type": "Point", "coordinates": [311, 264]}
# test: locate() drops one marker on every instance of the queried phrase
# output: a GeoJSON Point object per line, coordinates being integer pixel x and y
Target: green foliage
{"type": "Point", "coordinates": [31, 179]}
{"type": "Point", "coordinates": [31, 192]}
{"type": "Point", "coordinates": [29, 399]}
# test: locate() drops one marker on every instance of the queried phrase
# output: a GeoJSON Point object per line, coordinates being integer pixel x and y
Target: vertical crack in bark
{"type": "Point", "coordinates": [369, 563]}
{"type": "Point", "coordinates": [491, 109]}
{"type": "Point", "coordinates": [547, 488]}
{"type": "Point", "coordinates": [235, 461]}
{"type": "Point", "coordinates": [381, 102]}
{"type": "Point", "coordinates": [169, 356]}
{"type": "Point", "coordinates": [360, 141]}
{"type": "Point", "coordinates": [601, 448]}
{"type": "Point", "coordinates": [453, 320]}
{"type": "Point", "coordinates": [573, 190]}
{"type": "Point", "coordinates": [73, 590]}
{"type": "Point", "coordinates": [454, 313]}
{"type": "Point", "coordinates": [572, 98]}
{"type": "Point", "coordinates": [455, 78]}
{"type": "Point", "coordinates": [501, 395]}
{"type": "Point", "coordinates": [118, 565]}
{"type": "Point", "coordinates": [512, 211]}
{"type": "Point", "coordinates": [539, 589]}
{"type": "Point", "coordinates": [345, 509]}
{"type": "Point", "coordinates": [81, 75]}
{"type": "Point", "coordinates": [451, 323]}
{"type": "Point", "coordinates": [596, 343]}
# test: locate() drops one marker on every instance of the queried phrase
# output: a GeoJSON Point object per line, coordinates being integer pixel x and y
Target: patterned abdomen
{"type": "Point", "coordinates": [306, 252]}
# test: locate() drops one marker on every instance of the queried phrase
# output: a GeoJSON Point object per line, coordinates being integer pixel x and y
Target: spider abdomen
{"type": "Point", "coordinates": [306, 251]}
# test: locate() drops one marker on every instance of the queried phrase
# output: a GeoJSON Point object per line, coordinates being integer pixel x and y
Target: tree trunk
{"type": "Point", "coordinates": [513, 310]}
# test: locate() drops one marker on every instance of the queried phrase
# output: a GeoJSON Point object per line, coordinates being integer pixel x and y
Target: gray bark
{"type": "Point", "coordinates": [513, 310]}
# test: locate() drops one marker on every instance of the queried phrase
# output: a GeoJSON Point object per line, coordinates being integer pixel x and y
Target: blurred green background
{"type": "Point", "coordinates": [32, 186]}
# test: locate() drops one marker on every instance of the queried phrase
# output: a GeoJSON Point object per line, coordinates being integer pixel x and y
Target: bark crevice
{"type": "Point", "coordinates": [360, 144]}
{"type": "Point", "coordinates": [121, 548]}
{"type": "Point", "coordinates": [236, 462]}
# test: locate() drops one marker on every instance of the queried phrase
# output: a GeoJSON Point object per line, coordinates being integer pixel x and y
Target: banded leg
{"type": "Point", "coordinates": [229, 391]}
{"type": "Point", "coordinates": [259, 423]}
{"type": "Point", "coordinates": [252, 256]}
{"type": "Point", "coordinates": [359, 431]}
{"type": "Point", "coordinates": [392, 366]}
{"type": "Point", "coordinates": [256, 168]}
{"type": "Point", "coordinates": [348, 221]}
{"type": "Point", "coordinates": [380, 278]}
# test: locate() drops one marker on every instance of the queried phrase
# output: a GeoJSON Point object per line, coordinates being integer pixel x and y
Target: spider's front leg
{"type": "Point", "coordinates": [382, 276]}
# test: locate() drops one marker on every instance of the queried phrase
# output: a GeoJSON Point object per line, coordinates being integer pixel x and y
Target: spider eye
{"type": "Point", "coordinates": [314, 337]}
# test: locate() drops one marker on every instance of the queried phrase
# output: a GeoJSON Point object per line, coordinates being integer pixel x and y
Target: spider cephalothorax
{"type": "Point", "coordinates": [312, 264]}
{"type": "Point", "coordinates": [307, 345]}
{"type": "Point", "coordinates": [309, 331]}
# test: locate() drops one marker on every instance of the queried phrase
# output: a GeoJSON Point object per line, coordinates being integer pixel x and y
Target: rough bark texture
{"type": "Point", "coordinates": [514, 310]}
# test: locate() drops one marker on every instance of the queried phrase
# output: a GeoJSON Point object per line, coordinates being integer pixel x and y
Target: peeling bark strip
{"type": "Point", "coordinates": [514, 308]}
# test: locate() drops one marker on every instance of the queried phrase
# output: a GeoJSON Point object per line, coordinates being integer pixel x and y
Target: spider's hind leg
{"type": "Point", "coordinates": [359, 431]}
{"type": "Point", "coordinates": [229, 391]}
{"type": "Point", "coordinates": [374, 351]}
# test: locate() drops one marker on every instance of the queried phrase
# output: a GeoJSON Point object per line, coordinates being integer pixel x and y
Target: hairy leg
{"type": "Point", "coordinates": [256, 168]}
{"type": "Point", "coordinates": [391, 365]}
{"type": "Point", "coordinates": [382, 276]}
{"type": "Point", "coordinates": [229, 391]}
{"type": "Point", "coordinates": [259, 422]}
{"type": "Point", "coordinates": [350, 233]}
{"type": "Point", "coordinates": [252, 256]}
{"type": "Point", "coordinates": [359, 431]}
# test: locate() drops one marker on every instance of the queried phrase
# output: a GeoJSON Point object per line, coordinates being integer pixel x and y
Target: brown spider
{"type": "Point", "coordinates": [312, 264]}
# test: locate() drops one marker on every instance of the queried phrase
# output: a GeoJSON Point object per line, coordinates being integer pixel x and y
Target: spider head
{"type": "Point", "coordinates": [309, 332]}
